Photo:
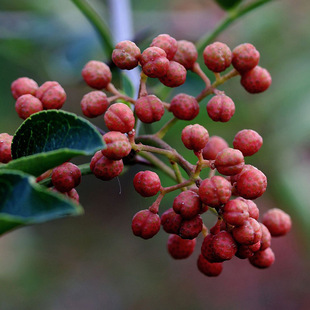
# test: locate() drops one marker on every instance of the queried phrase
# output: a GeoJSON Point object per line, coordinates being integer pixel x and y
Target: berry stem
{"type": "Point", "coordinates": [155, 205]}
{"type": "Point", "coordinates": [197, 69]}
{"type": "Point", "coordinates": [162, 132]}
{"type": "Point", "coordinates": [177, 173]}
{"type": "Point", "coordinates": [111, 88]}
{"type": "Point", "coordinates": [142, 87]}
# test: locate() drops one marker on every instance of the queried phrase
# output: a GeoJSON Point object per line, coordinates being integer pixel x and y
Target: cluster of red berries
{"type": "Point", "coordinates": [229, 194]}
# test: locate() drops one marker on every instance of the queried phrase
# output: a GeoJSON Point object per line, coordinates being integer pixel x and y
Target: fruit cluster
{"type": "Point", "coordinates": [232, 185]}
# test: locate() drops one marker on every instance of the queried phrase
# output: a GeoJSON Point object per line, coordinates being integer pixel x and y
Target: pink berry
{"type": "Point", "coordinates": [235, 212]}
{"type": "Point", "coordinates": [187, 204]}
{"type": "Point", "coordinates": [256, 80]}
{"type": "Point", "coordinates": [23, 86]}
{"type": "Point", "coordinates": [252, 208]}
{"type": "Point", "coordinates": [245, 57]}
{"type": "Point", "coordinates": [246, 251]}
{"type": "Point", "coordinates": [117, 145]}
{"type": "Point", "coordinates": [175, 76]}
{"type": "Point", "coordinates": [167, 43]}
{"type": "Point", "coordinates": [147, 183]}
{"type": "Point", "coordinates": [248, 142]}
{"type": "Point", "coordinates": [277, 221]}
{"type": "Point", "coordinates": [213, 147]}
{"type": "Point", "coordinates": [97, 74]}
{"type": "Point", "coordinates": [263, 259]}
{"type": "Point", "coordinates": [73, 194]}
{"type": "Point", "coordinates": [149, 109]}
{"type": "Point", "coordinates": [94, 103]}
{"type": "Point", "coordinates": [266, 238]}
{"type": "Point", "coordinates": [248, 233]}
{"type": "Point", "coordinates": [195, 137]}
{"type": "Point", "coordinates": [171, 221]}
{"type": "Point", "coordinates": [27, 105]}
{"type": "Point", "coordinates": [217, 56]}
{"type": "Point", "coordinates": [180, 248]}
{"type": "Point", "coordinates": [186, 54]}
{"type": "Point", "coordinates": [52, 95]}
{"type": "Point", "coordinates": [184, 107]}
{"type": "Point", "coordinates": [229, 161]}
{"type": "Point", "coordinates": [5, 148]}
{"type": "Point", "coordinates": [207, 268]}
{"type": "Point", "coordinates": [220, 108]}
{"type": "Point", "coordinates": [126, 55]}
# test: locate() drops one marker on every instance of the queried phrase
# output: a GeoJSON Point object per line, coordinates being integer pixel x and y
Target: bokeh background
{"type": "Point", "coordinates": [93, 261]}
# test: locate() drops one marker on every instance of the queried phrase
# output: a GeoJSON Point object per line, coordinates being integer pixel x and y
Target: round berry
{"type": "Point", "coordinates": [149, 109]}
{"type": "Point", "coordinates": [263, 259]}
{"type": "Point", "coordinates": [180, 248]}
{"type": "Point", "coordinates": [117, 145]}
{"type": "Point", "coordinates": [23, 86]}
{"type": "Point", "coordinates": [266, 238]}
{"type": "Point", "coordinates": [245, 57]}
{"type": "Point", "coordinates": [27, 105]}
{"type": "Point", "coordinates": [248, 233]}
{"type": "Point", "coordinates": [126, 55]}
{"type": "Point", "coordinates": [256, 80]}
{"type": "Point", "coordinates": [146, 183]}
{"type": "Point", "coordinates": [213, 147]}
{"type": "Point", "coordinates": [217, 56]}
{"type": "Point", "coordinates": [187, 204]}
{"type": "Point", "coordinates": [167, 43]}
{"type": "Point", "coordinates": [191, 228]}
{"type": "Point", "coordinates": [96, 74]}
{"type": "Point", "coordinates": [235, 212]}
{"type": "Point", "coordinates": [220, 108]}
{"type": "Point", "coordinates": [5, 148]}
{"type": "Point", "coordinates": [52, 95]}
{"type": "Point", "coordinates": [277, 221]}
{"type": "Point", "coordinates": [246, 251]}
{"type": "Point", "coordinates": [175, 76]}
{"type": "Point", "coordinates": [186, 54]}
{"type": "Point", "coordinates": [252, 208]}
{"type": "Point", "coordinates": [119, 117]}
{"type": "Point", "coordinates": [73, 194]}
{"type": "Point", "coordinates": [248, 142]}
{"type": "Point", "coordinates": [207, 268]}
{"type": "Point", "coordinates": [229, 161]}
{"type": "Point", "coordinates": [171, 221]}
{"type": "Point", "coordinates": [195, 137]}
{"type": "Point", "coordinates": [94, 103]}
{"type": "Point", "coordinates": [184, 107]}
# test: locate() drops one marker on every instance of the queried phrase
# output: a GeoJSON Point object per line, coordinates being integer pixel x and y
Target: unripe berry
{"type": "Point", "coordinates": [277, 221]}
{"type": "Point", "coordinates": [154, 62]}
{"type": "Point", "coordinates": [245, 57]}
{"type": "Point", "coordinates": [195, 137]}
{"type": "Point", "coordinates": [167, 43]}
{"type": "Point", "coordinates": [175, 76]}
{"type": "Point", "coordinates": [184, 107]}
{"type": "Point", "coordinates": [256, 80]}
{"type": "Point", "coordinates": [266, 238]}
{"type": "Point", "coordinates": [207, 268]}
{"type": "Point", "coordinates": [105, 169]}
{"type": "Point", "coordinates": [186, 54]}
{"type": "Point", "coordinates": [262, 259]}
{"type": "Point", "coordinates": [117, 145]}
{"type": "Point", "coordinates": [94, 103]}
{"type": "Point", "coordinates": [52, 95]}
{"type": "Point", "coordinates": [171, 221]}
{"type": "Point", "coordinates": [235, 212]}
{"type": "Point", "coordinates": [229, 161]}
{"type": "Point", "coordinates": [180, 248]}
{"type": "Point", "coordinates": [27, 105]}
{"type": "Point", "coordinates": [5, 148]}
{"type": "Point", "coordinates": [126, 55]}
{"type": "Point", "coordinates": [66, 176]}
{"type": "Point", "coordinates": [215, 191]}
{"type": "Point", "coordinates": [97, 74]}
{"type": "Point", "coordinates": [217, 56]}
{"type": "Point", "coordinates": [23, 86]}
{"type": "Point", "coordinates": [248, 142]}
{"type": "Point", "coordinates": [119, 117]}
{"type": "Point", "coordinates": [145, 224]}
{"type": "Point", "coordinates": [249, 233]}
{"type": "Point", "coordinates": [149, 109]}
{"type": "Point", "coordinates": [187, 204]}
{"type": "Point", "coordinates": [213, 147]}
{"type": "Point", "coordinates": [220, 108]}
{"type": "Point", "coordinates": [146, 183]}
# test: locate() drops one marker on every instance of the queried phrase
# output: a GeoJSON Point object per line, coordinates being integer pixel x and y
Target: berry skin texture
{"type": "Point", "coordinates": [217, 56]}
{"type": "Point", "coordinates": [23, 86]}
{"type": "Point", "coordinates": [252, 208]}
{"type": "Point", "coordinates": [146, 183]}
{"type": "Point", "coordinates": [262, 259]}
{"type": "Point", "coordinates": [97, 74]}
{"type": "Point", "coordinates": [195, 137]}
{"type": "Point", "coordinates": [215, 145]}
{"type": "Point", "coordinates": [249, 233]}
{"type": "Point", "coordinates": [119, 117]}
{"type": "Point", "coordinates": [149, 109]}
{"type": "Point", "coordinates": [117, 145]}
{"type": "Point", "coordinates": [5, 148]}
{"type": "Point", "coordinates": [171, 221]}
{"type": "Point", "coordinates": [245, 57]}
{"type": "Point", "coordinates": [190, 229]}
{"type": "Point", "coordinates": [235, 212]}
{"type": "Point", "coordinates": [220, 108]}
{"type": "Point", "coordinates": [187, 204]}
{"type": "Point", "coordinates": [256, 80]}
{"type": "Point", "coordinates": [248, 142]}
{"type": "Point", "coordinates": [207, 268]}
{"type": "Point", "coordinates": [167, 43]}
{"type": "Point", "coordinates": [27, 105]}
{"type": "Point", "coordinates": [66, 176]}
{"type": "Point", "coordinates": [126, 55]}
{"type": "Point", "coordinates": [180, 248]}
{"type": "Point", "coordinates": [145, 224]}
{"type": "Point", "coordinates": [175, 76]}
{"type": "Point", "coordinates": [52, 95]}
{"type": "Point", "coordinates": [229, 161]}
{"type": "Point", "coordinates": [94, 103]}
{"type": "Point", "coordinates": [184, 107]}
{"type": "Point", "coordinates": [277, 221]}
{"type": "Point", "coordinates": [266, 238]}
{"type": "Point", "coordinates": [215, 191]}
{"type": "Point", "coordinates": [154, 62]}
{"type": "Point", "coordinates": [186, 54]}
{"type": "Point", "coordinates": [105, 169]}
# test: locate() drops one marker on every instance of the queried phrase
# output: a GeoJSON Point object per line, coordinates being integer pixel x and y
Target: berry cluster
{"type": "Point", "coordinates": [232, 185]}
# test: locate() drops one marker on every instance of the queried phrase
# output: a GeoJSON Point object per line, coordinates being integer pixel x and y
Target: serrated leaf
{"type": "Point", "coordinates": [24, 202]}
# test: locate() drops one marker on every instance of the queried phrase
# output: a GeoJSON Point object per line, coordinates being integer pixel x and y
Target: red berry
{"type": "Point", "coordinates": [191, 228]}
{"type": "Point", "coordinates": [180, 248]}
{"type": "Point", "coordinates": [249, 233]}
{"type": "Point", "coordinates": [154, 62]}
{"type": "Point", "coordinates": [167, 43]}
{"type": "Point", "coordinates": [187, 204]}
{"type": "Point", "coordinates": [5, 147]}
{"type": "Point", "coordinates": [66, 176]}
{"type": "Point", "coordinates": [171, 221]}
{"type": "Point", "coordinates": [217, 56]}
{"type": "Point", "coordinates": [248, 142]}
{"type": "Point", "coordinates": [213, 147]}
{"type": "Point", "coordinates": [266, 238]}
{"type": "Point", "coordinates": [220, 108]}
{"type": "Point", "coordinates": [117, 145]}
{"type": "Point", "coordinates": [186, 54]}
{"type": "Point", "coordinates": [245, 57]}
{"type": "Point", "coordinates": [252, 208]}
{"type": "Point", "coordinates": [97, 74]}
{"type": "Point", "coordinates": [229, 161]}
{"type": "Point", "coordinates": [27, 105]}
{"type": "Point", "coordinates": [145, 224]}
{"type": "Point", "coordinates": [52, 95]}
{"type": "Point", "coordinates": [146, 183]}
{"type": "Point", "coordinates": [126, 55]}
{"type": "Point", "coordinates": [94, 103]}
{"type": "Point", "coordinates": [149, 109]}
{"type": "Point", "coordinates": [119, 117]}
{"type": "Point", "coordinates": [195, 137]}
{"type": "Point", "coordinates": [263, 259]}
{"type": "Point", "coordinates": [207, 268]}
{"type": "Point", "coordinates": [246, 251]}
{"type": "Point", "coordinates": [184, 107]}
{"type": "Point", "coordinates": [277, 221]}
{"type": "Point", "coordinates": [175, 76]}
{"type": "Point", "coordinates": [235, 212]}
{"type": "Point", "coordinates": [23, 86]}
{"type": "Point", "coordinates": [256, 80]}
{"type": "Point", "coordinates": [105, 169]}
{"type": "Point", "coordinates": [73, 194]}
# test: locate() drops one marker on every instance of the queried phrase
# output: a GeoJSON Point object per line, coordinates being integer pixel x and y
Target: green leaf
{"type": "Point", "coordinates": [24, 202]}
{"type": "Point", "coordinates": [127, 85]}
{"type": "Point", "coordinates": [228, 4]}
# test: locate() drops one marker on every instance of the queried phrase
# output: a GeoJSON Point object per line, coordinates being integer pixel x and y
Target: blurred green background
{"type": "Point", "coordinates": [94, 262]}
